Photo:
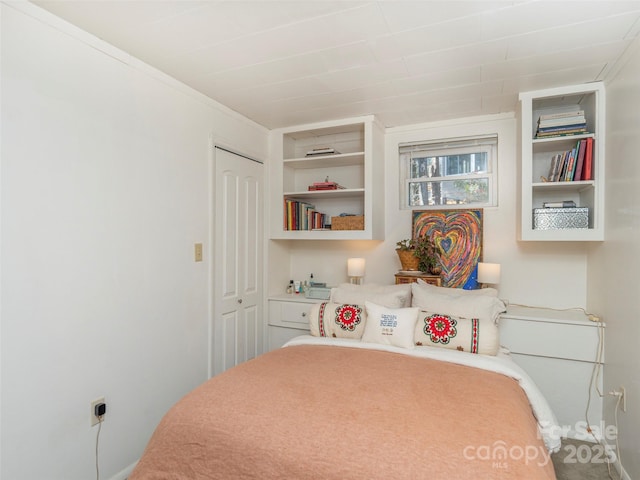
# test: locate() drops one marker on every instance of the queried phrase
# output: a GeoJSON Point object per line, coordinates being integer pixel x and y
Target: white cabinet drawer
{"type": "Point", "coordinates": [289, 314]}
{"type": "Point", "coordinates": [550, 339]}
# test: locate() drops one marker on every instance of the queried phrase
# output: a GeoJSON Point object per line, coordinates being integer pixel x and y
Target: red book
{"type": "Point", "coordinates": [286, 214]}
{"type": "Point", "coordinates": [587, 169]}
{"type": "Point", "coordinates": [325, 184]}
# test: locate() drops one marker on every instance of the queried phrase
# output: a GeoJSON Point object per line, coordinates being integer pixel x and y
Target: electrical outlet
{"type": "Point", "coordinates": [621, 393]}
{"type": "Point", "coordinates": [94, 419]}
{"type": "Point", "coordinates": [198, 252]}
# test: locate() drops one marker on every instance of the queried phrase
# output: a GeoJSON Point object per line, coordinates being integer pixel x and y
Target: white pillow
{"type": "Point", "coordinates": [484, 307]}
{"type": "Point", "coordinates": [392, 296]}
{"type": "Point", "coordinates": [490, 292]}
{"type": "Point", "coordinates": [390, 326]}
{"type": "Point", "coordinates": [337, 320]}
{"type": "Point", "coordinates": [470, 335]}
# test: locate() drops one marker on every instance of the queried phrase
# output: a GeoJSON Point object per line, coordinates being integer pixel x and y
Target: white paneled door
{"type": "Point", "coordinates": [238, 260]}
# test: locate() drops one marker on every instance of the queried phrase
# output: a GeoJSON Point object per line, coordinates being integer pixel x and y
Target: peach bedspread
{"type": "Point", "coordinates": [326, 412]}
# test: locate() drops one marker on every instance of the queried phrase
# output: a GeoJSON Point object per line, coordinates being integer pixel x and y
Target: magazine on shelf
{"type": "Point", "coordinates": [322, 151]}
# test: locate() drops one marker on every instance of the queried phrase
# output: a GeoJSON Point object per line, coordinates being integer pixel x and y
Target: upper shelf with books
{"type": "Point", "coordinates": [563, 114]}
{"type": "Point", "coordinates": [559, 124]}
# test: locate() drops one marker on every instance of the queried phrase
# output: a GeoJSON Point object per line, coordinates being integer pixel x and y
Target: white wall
{"type": "Point", "coordinates": [614, 266]}
{"type": "Point", "coordinates": [533, 273]}
{"type": "Point", "coordinates": [105, 168]}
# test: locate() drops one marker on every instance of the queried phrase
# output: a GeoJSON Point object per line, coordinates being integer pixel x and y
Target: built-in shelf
{"type": "Point", "coordinates": [357, 166]}
{"type": "Point", "coordinates": [537, 154]}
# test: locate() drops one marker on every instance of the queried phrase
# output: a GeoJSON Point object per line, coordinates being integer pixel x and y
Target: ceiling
{"type": "Point", "coordinates": [283, 63]}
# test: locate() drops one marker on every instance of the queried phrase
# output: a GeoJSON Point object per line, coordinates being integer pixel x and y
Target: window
{"type": "Point", "coordinates": [458, 172]}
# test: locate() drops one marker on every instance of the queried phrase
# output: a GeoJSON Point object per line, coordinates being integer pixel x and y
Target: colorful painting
{"type": "Point", "coordinates": [458, 233]}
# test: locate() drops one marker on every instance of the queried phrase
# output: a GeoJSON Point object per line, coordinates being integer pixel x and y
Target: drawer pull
{"type": "Point", "coordinates": [304, 314]}
{"type": "Point", "coordinates": [239, 300]}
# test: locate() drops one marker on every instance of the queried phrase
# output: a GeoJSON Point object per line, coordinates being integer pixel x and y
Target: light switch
{"type": "Point", "coordinates": [198, 252]}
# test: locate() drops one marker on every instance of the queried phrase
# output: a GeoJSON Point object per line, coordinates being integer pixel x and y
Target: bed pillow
{"type": "Point", "coordinates": [392, 296]}
{"type": "Point", "coordinates": [483, 307]}
{"type": "Point", "coordinates": [490, 292]}
{"type": "Point", "coordinates": [390, 326]}
{"type": "Point", "coordinates": [328, 319]}
{"type": "Point", "coordinates": [470, 335]}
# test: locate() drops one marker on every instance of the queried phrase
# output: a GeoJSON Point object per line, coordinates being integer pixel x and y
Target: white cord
{"type": "Point", "coordinates": [591, 316]}
{"type": "Point", "coordinates": [97, 443]}
{"type": "Point", "coordinates": [597, 367]}
{"type": "Point", "coordinates": [595, 376]}
{"type": "Point", "coordinates": [615, 416]}
{"type": "Point", "coordinates": [599, 360]}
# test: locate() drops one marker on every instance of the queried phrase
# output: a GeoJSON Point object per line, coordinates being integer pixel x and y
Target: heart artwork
{"type": "Point", "coordinates": [458, 233]}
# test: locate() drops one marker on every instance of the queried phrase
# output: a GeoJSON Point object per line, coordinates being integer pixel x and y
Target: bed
{"type": "Point", "coordinates": [331, 407]}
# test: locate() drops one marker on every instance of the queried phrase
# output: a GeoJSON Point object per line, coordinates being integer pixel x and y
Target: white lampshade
{"type": "Point", "coordinates": [489, 273]}
{"type": "Point", "coordinates": [355, 267]}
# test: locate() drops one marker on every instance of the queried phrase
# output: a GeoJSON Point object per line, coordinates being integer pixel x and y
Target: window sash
{"type": "Point", "coordinates": [474, 179]}
{"type": "Point", "coordinates": [434, 195]}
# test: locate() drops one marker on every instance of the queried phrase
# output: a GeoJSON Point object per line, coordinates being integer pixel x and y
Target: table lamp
{"type": "Point", "coordinates": [355, 270]}
{"type": "Point", "coordinates": [488, 273]}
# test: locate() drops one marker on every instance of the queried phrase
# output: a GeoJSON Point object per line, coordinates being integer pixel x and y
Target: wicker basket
{"type": "Point", "coordinates": [408, 260]}
{"type": "Point", "coordinates": [353, 222]}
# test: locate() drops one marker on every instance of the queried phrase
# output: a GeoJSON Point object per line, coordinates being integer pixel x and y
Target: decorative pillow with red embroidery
{"type": "Point", "coordinates": [339, 320]}
{"type": "Point", "coordinates": [470, 335]}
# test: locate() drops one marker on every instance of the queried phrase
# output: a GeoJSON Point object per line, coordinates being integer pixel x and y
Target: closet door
{"type": "Point", "coordinates": [238, 260]}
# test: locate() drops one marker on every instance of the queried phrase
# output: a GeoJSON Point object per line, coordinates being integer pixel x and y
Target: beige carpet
{"type": "Point", "coordinates": [579, 460]}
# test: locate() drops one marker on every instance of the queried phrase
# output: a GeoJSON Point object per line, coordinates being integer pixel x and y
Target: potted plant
{"type": "Point", "coordinates": [419, 254]}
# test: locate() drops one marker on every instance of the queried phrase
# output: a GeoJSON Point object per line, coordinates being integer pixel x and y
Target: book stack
{"type": "Point", "coordinates": [324, 186]}
{"type": "Point", "coordinates": [322, 151]}
{"type": "Point", "coordinates": [563, 204]}
{"type": "Point", "coordinates": [556, 124]}
{"type": "Point", "coordinates": [573, 165]}
{"type": "Point", "coordinates": [302, 216]}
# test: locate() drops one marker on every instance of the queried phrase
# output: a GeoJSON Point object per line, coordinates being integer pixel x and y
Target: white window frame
{"type": "Point", "coordinates": [447, 147]}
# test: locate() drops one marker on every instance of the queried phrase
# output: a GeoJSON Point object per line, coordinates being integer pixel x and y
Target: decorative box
{"type": "Point", "coordinates": [320, 293]}
{"type": "Point", "coordinates": [559, 218]}
{"type": "Point", "coordinates": [350, 222]}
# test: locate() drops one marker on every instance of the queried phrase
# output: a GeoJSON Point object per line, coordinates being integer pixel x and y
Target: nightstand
{"type": "Point", "coordinates": [288, 318]}
{"type": "Point", "coordinates": [559, 350]}
{"type": "Point", "coordinates": [405, 277]}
